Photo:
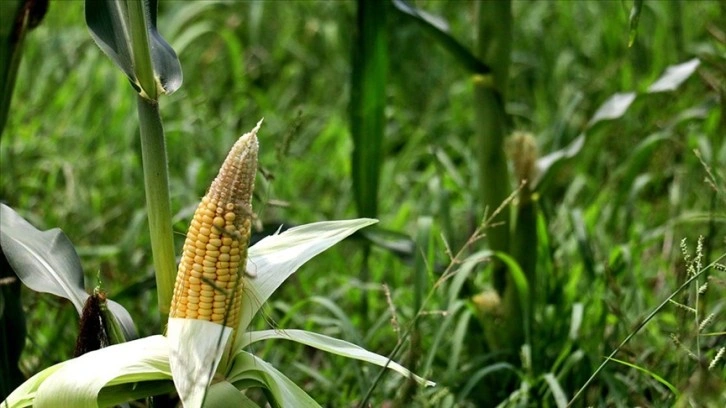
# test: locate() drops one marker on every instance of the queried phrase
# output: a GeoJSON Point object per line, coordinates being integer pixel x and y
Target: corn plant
{"type": "Point", "coordinates": [220, 284]}
{"type": "Point", "coordinates": [126, 32]}
{"type": "Point", "coordinates": [193, 349]}
{"type": "Point", "coordinates": [507, 314]}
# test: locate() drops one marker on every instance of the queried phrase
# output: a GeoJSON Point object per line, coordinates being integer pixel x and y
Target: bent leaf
{"type": "Point", "coordinates": [439, 30]}
{"type": "Point", "coordinates": [45, 261]}
{"type": "Point", "coordinates": [224, 394]}
{"type": "Point", "coordinates": [112, 28]}
{"type": "Point", "coordinates": [332, 345]}
{"type": "Point", "coordinates": [255, 372]}
{"type": "Point", "coordinates": [78, 382]}
{"type": "Point", "coordinates": [276, 257]}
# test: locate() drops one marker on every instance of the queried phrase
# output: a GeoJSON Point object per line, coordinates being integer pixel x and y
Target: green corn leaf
{"type": "Point", "coordinates": [332, 345]}
{"type": "Point", "coordinates": [250, 370]}
{"type": "Point", "coordinates": [116, 331]}
{"type": "Point", "coordinates": [439, 30]}
{"type": "Point", "coordinates": [79, 381]}
{"type": "Point", "coordinates": [225, 394]}
{"type": "Point", "coordinates": [24, 396]}
{"type": "Point", "coordinates": [193, 348]}
{"type": "Point", "coordinates": [128, 35]}
{"type": "Point", "coordinates": [45, 261]}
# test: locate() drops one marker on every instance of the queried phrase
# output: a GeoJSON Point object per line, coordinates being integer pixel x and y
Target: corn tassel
{"type": "Point", "coordinates": [214, 256]}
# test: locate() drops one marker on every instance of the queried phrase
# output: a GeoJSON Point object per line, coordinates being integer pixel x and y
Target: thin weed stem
{"type": "Point", "coordinates": [650, 316]}
{"type": "Point", "coordinates": [448, 273]}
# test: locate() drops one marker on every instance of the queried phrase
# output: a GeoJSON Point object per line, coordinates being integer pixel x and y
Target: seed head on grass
{"type": "Point", "coordinates": [716, 359]}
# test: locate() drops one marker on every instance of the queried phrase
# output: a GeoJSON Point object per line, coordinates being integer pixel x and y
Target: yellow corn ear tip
{"type": "Point", "coordinates": [208, 282]}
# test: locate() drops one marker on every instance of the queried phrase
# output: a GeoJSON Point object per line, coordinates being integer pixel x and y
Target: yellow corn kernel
{"type": "Point", "coordinates": [209, 279]}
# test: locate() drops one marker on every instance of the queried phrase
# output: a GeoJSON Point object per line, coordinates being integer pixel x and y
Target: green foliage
{"type": "Point", "coordinates": [46, 262]}
{"type": "Point", "coordinates": [17, 18]}
{"type": "Point", "coordinates": [126, 32]}
{"type": "Point", "coordinates": [608, 229]}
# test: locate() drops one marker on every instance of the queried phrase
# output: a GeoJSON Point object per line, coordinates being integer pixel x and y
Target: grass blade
{"type": "Point", "coordinates": [655, 376]}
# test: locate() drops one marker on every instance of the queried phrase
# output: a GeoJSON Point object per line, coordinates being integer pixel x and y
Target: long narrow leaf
{"type": "Point", "coordinates": [332, 345]}
{"type": "Point", "coordinates": [655, 376]}
{"type": "Point", "coordinates": [223, 394]}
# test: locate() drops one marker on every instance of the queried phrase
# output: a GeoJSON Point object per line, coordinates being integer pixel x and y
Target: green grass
{"type": "Point", "coordinates": [609, 228]}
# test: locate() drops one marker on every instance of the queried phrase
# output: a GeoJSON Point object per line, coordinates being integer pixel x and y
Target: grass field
{"type": "Point", "coordinates": [609, 222]}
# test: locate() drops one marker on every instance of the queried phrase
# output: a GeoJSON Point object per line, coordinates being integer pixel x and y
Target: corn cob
{"type": "Point", "coordinates": [209, 280]}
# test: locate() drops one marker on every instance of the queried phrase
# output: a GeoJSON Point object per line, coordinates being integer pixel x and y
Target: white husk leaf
{"type": "Point", "coordinates": [276, 257]}
{"type": "Point", "coordinates": [195, 349]}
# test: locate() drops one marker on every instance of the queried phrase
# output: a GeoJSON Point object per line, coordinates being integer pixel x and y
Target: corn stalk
{"type": "Point", "coordinates": [368, 78]}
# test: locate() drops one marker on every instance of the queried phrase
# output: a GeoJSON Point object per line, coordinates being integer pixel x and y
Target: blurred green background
{"type": "Point", "coordinates": [610, 224]}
